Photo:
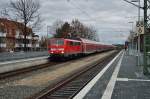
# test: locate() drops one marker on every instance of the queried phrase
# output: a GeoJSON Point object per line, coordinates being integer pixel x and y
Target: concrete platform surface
{"type": "Point", "coordinates": [7, 56]}
{"type": "Point", "coordinates": [120, 79]}
{"type": "Point", "coordinates": [22, 63]}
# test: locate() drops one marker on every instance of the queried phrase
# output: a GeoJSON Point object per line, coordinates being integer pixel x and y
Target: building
{"type": "Point", "coordinates": [12, 37]}
{"type": "Point", "coordinates": [35, 42]}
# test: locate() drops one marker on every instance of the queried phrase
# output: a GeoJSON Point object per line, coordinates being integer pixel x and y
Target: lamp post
{"type": "Point", "coordinates": [146, 46]}
{"type": "Point", "coordinates": [47, 39]}
{"type": "Point", "coordinates": [132, 33]}
{"type": "Point", "coordinates": [138, 42]}
{"type": "Point", "coordinates": [139, 35]}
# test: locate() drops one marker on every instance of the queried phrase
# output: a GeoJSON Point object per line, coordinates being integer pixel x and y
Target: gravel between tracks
{"type": "Point", "coordinates": [23, 86]}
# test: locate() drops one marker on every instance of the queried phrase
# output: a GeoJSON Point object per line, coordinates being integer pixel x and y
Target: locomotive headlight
{"type": "Point", "coordinates": [52, 52]}
{"type": "Point", "coordinates": [62, 52]}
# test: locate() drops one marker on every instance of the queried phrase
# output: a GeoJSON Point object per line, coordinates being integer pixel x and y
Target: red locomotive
{"type": "Point", "coordinates": [69, 47]}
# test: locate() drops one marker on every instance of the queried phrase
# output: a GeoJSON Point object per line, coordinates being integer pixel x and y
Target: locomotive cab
{"type": "Point", "coordinates": [56, 46]}
{"type": "Point", "coordinates": [64, 47]}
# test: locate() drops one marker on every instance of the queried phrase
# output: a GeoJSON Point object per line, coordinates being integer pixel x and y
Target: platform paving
{"type": "Point", "coordinates": [131, 83]}
{"type": "Point", "coordinates": [7, 56]}
{"type": "Point", "coordinates": [124, 79]}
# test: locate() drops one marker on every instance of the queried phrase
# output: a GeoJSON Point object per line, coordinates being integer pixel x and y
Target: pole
{"type": "Point", "coordinates": [132, 34]}
{"type": "Point", "coordinates": [145, 70]}
{"type": "Point", "coordinates": [139, 10]}
{"type": "Point", "coordinates": [134, 4]}
{"type": "Point", "coordinates": [132, 39]}
{"type": "Point", "coordinates": [47, 37]}
{"type": "Point", "coordinates": [139, 35]}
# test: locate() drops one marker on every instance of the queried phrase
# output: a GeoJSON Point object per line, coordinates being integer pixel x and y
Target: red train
{"type": "Point", "coordinates": [69, 47]}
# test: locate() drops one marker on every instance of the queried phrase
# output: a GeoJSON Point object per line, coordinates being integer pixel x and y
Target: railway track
{"type": "Point", "coordinates": [25, 70]}
{"type": "Point", "coordinates": [68, 88]}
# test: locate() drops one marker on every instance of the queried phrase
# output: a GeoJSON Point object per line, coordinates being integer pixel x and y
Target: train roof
{"type": "Point", "coordinates": [90, 41]}
{"type": "Point", "coordinates": [75, 40]}
{"type": "Point", "coordinates": [94, 42]}
{"type": "Point", "coordinates": [84, 41]}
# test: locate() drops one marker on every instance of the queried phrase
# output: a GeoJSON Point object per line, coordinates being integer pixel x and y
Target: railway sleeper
{"type": "Point", "coordinates": [55, 97]}
{"type": "Point", "coordinates": [66, 91]}
{"type": "Point", "coordinates": [63, 93]}
{"type": "Point", "coordinates": [69, 89]}
{"type": "Point", "coordinates": [80, 80]}
{"type": "Point", "coordinates": [77, 84]}
{"type": "Point", "coordinates": [74, 86]}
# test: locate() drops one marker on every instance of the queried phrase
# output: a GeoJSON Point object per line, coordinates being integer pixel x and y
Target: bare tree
{"type": "Point", "coordinates": [36, 26]}
{"type": "Point", "coordinates": [27, 12]}
{"type": "Point", "coordinates": [75, 29]}
{"type": "Point", "coordinates": [84, 31]}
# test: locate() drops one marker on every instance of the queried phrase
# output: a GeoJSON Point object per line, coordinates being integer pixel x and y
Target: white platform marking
{"type": "Point", "coordinates": [126, 79]}
{"type": "Point", "coordinates": [88, 87]}
{"type": "Point", "coordinates": [122, 79]}
{"type": "Point", "coordinates": [109, 89]}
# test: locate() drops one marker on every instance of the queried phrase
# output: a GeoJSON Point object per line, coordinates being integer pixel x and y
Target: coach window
{"type": "Point", "coordinates": [74, 43]}
{"type": "Point", "coordinates": [79, 43]}
{"type": "Point", "coordinates": [71, 43]}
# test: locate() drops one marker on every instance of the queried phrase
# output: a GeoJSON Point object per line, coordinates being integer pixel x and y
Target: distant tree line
{"type": "Point", "coordinates": [75, 29]}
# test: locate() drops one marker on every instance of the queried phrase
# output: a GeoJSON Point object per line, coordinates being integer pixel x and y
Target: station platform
{"type": "Point", "coordinates": [13, 56]}
{"type": "Point", "coordinates": [8, 66]}
{"type": "Point", "coordinates": [120, 79]}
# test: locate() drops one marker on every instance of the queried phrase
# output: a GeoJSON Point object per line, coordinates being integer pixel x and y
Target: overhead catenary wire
{"type": "Point", "coordinates": [87, 14]}
{"type": "Point", "coordinates": [83, 11]}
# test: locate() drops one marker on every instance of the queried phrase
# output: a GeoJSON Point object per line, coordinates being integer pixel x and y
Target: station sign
{"type": "Point", "coordinates": [140, 27]}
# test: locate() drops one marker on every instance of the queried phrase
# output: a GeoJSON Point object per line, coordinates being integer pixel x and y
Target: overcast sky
{"type": "Point", "coordinates": [109, 17]}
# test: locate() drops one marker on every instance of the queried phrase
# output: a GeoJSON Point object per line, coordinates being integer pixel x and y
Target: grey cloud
{"type": "Point", "coordinates": [105, 15]}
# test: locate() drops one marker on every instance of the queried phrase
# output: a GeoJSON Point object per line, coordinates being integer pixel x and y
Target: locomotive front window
{"type": "Point", "coordinates": [57, 42]}
{"type": "Point", "coordinates": [60, 42]}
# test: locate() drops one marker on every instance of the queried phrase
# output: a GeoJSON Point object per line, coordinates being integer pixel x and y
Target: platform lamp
{"type": "Point", "coordinates": [132, 23]}
{"type": "Point", "coordinates": [139, 7]}
{"type": "Point", "coordinates": [138, 42]}
{"type": "Point", "coordinates": [47, 38]}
